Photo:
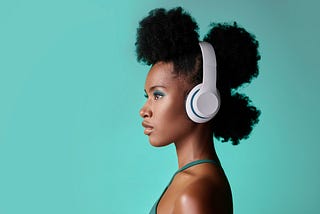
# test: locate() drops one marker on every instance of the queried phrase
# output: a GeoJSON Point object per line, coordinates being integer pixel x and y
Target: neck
{"type": "Point", "coordinates": [198, 145]}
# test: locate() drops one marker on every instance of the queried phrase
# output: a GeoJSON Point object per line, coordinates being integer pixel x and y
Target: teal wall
{"type": "Point", "coordinates": [71, 140]}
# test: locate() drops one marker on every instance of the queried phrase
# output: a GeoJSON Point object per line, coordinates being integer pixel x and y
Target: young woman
{"type": "Point", "coordinates": [168, 40]}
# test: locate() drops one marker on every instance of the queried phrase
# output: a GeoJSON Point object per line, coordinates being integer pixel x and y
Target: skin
{"type": "Point", "coordinates": [202, 188]}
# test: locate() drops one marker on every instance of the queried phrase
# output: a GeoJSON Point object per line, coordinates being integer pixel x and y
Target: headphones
{"type": "Point", "coordinates": [203, 101]}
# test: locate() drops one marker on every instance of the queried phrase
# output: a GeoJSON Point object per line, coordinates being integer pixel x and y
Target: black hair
{"type": "Point", "coordinates": [172, 36]}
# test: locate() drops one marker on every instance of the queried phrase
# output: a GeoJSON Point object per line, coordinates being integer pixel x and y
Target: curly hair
{"type": "Point", "coordinates": [172, 36]}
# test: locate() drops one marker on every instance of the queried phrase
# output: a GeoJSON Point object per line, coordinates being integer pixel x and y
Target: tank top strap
{"type": "Point", "coordinates": [192, 164]}
{"type": "Point", "coordinates": [195, 163]}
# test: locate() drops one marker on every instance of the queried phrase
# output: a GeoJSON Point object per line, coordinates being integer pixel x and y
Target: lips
{"type": "Point", "coordinates": [147, 128]}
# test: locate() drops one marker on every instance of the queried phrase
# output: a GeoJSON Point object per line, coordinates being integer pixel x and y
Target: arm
{"type": "Point", "coordinates": [203, 197]}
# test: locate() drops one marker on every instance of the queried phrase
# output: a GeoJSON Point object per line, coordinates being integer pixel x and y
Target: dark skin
{"type": "Point", "coordinates": [202, 188]}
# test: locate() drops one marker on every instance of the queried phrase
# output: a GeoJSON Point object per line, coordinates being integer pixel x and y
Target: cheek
{"type": "Point", "coordinates": [172, 111]}
{"type": "Point", "coordinates": [179, 110]}
{"type": "Point", "coordinates": [172, 119]}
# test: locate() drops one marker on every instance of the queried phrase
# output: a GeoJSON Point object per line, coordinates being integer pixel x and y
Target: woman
{"type": "Point", "coordinates": [168, 40]}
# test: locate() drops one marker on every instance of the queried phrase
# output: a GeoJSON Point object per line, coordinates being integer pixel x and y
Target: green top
{"type": "Point", "coordinates": [154, 208]}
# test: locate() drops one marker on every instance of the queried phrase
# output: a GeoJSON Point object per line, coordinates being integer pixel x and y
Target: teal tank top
{"type": "Point", "coordinates": [154, 208]}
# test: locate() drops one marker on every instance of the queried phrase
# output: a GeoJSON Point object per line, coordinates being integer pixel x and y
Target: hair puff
{"type": "Point", "coordinates": [165, 35]}
{"type": "Point", "coordinates": [236, 52]}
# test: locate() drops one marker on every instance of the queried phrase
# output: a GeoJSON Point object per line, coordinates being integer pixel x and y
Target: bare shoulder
{"type": "Point", "coordinates": [204, 195]}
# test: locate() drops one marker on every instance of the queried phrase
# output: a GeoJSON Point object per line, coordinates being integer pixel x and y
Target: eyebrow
{"type": "Point", "coordinates": [155, 86]}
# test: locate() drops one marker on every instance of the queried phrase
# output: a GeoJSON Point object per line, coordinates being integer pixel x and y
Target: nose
{"type": "Point", "coordinates": [145, 111]}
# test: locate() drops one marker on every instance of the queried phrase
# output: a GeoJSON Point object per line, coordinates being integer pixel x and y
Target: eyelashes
{"type": "Point", "coordinates": [156, 95]}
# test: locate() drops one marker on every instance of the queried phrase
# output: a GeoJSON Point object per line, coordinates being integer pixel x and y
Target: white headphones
{"type": "Point", "coordinates": [203, 101]}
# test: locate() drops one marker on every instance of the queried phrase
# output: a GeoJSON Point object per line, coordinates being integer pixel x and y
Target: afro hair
{"type": "Point", "coordinates": [172, 36]}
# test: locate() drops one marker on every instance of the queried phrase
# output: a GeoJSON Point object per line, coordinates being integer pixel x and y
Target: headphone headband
{"type": "Point", "coordinates": [209, 64]}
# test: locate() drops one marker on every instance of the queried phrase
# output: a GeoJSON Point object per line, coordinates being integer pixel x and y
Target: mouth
{"type": "Point", "coordinates": [147, 128]}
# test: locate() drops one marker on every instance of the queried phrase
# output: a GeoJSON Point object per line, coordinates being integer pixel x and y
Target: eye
{"type": "Point", "coordinates": [158, 94]}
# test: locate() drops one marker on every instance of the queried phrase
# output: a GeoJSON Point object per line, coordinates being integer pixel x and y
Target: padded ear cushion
{"type": "Point", "coordinates": [206, 104]}
{"type": "Point", "coordinates": [201, 106]}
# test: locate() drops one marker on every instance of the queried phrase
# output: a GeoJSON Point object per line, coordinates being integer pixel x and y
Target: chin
{"type": "Point", "coordinates": [158, 143]}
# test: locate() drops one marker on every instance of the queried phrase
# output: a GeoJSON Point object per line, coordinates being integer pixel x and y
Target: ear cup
{"type": "Point", "coordinates": [201, 106]}
{"type": "Point", "coordinates": [203, 101]}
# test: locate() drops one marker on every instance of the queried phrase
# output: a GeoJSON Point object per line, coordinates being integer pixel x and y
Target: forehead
{"type": "Point", "coordinates": [161, 74]}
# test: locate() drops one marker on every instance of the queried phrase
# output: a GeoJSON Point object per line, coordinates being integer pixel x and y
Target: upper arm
{"type": "Point", "coordinates": [188, 204]}
{"type": "Point", "coordinates": [202, 197]}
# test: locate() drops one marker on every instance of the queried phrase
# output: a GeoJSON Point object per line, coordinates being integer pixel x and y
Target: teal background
{"type": "Point", "coordinates": [71, 139]}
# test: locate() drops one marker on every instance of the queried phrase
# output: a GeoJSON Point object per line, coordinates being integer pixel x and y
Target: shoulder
{"type": "Point", "coordinates": [204, 196]}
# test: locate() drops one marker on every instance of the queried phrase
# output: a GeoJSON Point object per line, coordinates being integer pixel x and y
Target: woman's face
{"type": "Point", "coordinates": [164, 116]}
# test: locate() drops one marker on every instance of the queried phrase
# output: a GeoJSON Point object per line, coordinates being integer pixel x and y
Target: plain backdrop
{"type": "Point", "coordinates": [71, 140]}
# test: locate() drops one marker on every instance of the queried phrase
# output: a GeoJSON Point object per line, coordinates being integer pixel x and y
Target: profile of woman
{"type": "Point", "coordinates": [224, 60]}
